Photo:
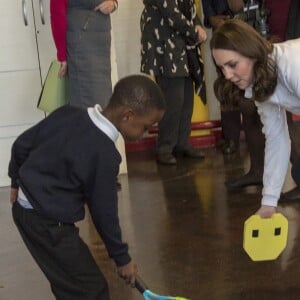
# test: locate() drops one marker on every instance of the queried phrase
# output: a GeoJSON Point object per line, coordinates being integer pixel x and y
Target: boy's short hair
{"type": "Point", "coordinates": [139, 92]}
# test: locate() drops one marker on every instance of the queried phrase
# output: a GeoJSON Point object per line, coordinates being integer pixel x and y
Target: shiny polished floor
{"type": "Point", "coordinates": [185, 231]}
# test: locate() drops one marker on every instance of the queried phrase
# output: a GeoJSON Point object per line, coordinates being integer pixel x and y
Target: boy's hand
{"type": "Point", "coordinates": [128, 273]}
{"type": "Point", "coordinates": [266, 211]}
{"type": "Point", "coordinates": [13, 195]}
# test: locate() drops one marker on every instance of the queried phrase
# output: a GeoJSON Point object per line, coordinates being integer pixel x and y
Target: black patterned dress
{"type": "Point", "coordinates": [169, 41]}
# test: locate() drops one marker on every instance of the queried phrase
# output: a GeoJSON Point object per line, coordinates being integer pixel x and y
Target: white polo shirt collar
{"type": "Point", "coordinates": [103, 123]}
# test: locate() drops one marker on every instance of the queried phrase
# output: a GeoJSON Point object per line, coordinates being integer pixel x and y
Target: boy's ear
{"type": "Point", "coordinates": [127, 114]}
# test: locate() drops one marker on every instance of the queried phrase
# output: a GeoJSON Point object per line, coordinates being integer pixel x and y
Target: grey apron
{"type": "Point", "coordinates": [88, 54]}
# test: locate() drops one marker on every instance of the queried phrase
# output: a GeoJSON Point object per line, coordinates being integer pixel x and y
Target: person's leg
{"type": "Point", "coordinates": [183, 146]}
{"type": "Point", "coordinates": [168, 127]}
{"type": "Point", "coordinates": [293, 194]}
{"type": "Point", "coordinates": [255, 140]}
{"type": "Point", "coordinates": [184, 129]}
{"type": "Point", "coordinates": [231, 128]}
{"type": "Point", "coordinates": [294, 130]}
{"type": "Point", "coordinates": [293, 21]}
{"type": "Point", "coordinates": [63, 257]}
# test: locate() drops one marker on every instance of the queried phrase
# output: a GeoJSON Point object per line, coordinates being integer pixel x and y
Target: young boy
{"type": "Point", "coordinates": [69, 159]}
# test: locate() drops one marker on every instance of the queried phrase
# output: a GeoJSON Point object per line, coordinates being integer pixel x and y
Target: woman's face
{"type": "Point", "coordinates": [235, 67]}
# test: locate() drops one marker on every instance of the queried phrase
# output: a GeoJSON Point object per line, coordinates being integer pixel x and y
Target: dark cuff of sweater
{"type": "Point", "coordinates": [14, 183]}
{"type": "Point", "coordinates": [122, 260]}
{"type": "Point", "coordinates": [198, 21]}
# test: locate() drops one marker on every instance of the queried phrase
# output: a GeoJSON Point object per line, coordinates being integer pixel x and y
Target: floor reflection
{"type": "Point", "coordinates": [185, 231]}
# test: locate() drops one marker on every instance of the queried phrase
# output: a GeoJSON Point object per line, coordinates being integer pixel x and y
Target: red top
{"type": "Point", "coordinates": [278, 19]}
{"type": "Point", "coordinates": [58, 17]}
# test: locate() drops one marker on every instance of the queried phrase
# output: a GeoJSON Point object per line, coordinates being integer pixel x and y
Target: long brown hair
{"type": "Point", "coordinates": [238, 36]}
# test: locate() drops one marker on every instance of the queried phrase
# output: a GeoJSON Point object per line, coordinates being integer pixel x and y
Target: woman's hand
{"type": "Point", "coordinates": [106, 7]}
{"type": "Point", "coordinates": [202, 36]}
{"type": "Point", "coordinates": [266, 211]}
{"type": "Point", "coordinates": [63, 69]}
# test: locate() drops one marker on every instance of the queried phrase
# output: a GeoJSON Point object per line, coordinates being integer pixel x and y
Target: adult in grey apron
{"type": "Point", "coordinates": [88, 54]}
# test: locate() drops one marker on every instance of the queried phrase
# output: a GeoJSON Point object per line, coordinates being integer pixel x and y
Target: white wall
{"type": "Point", "coordinates": [210, 76]}
{"type": "Point", "coordinates": [126, 49]}
{"type": "Point", "coordinates": [120, 144]}
{"type": "Point", "coordinates": [126, 28]}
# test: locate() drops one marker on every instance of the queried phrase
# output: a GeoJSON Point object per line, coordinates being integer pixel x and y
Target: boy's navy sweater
{"type": "Point", "coordinates": [64, 162]}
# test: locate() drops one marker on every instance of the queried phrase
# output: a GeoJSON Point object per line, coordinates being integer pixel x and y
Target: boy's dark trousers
{"type": "Point", "coordinates": [62, 255]}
